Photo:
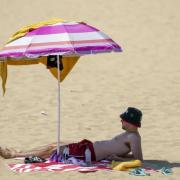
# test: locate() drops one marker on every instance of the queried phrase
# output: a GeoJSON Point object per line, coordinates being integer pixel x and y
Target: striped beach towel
{"type": "Point", "coordinates": [57, 167]}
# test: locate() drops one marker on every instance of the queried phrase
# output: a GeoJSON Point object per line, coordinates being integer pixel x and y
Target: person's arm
{"type": "Point", "coordinates": [120, 158]}
{"type": "Point", "coordinates": [135, 145]}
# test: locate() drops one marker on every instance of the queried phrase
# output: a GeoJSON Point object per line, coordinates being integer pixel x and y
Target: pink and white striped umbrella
{"type": "Point", "coordinates": [64, 38]}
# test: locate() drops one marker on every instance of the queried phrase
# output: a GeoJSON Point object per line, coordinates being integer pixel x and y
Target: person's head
{"type": "Point", "coordinates": [131, 119]}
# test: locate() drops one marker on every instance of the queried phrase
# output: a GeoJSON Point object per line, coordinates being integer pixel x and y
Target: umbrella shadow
{"type": "Point", "coordinates": [158, 164]}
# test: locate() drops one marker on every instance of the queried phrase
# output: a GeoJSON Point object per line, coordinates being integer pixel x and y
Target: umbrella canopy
{"type": "Point", "coordinates": [62, 38]}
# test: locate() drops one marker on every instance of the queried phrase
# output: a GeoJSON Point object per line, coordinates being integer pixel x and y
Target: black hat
{"type": "Point", "coordinates": [132, 115]}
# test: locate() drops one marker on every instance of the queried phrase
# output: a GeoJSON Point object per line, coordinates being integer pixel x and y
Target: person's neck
{"type": "Point", "coordinates": [132, 130]}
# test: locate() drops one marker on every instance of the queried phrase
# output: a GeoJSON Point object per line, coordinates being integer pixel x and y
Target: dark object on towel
{"type": "Point", "coordinates": [52, 62]}
{"type": "Point", "coordinates": [33, 159]}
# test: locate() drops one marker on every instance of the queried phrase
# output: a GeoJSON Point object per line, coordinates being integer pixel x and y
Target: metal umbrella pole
{"type": "Point", "coordinates": [58, 115]}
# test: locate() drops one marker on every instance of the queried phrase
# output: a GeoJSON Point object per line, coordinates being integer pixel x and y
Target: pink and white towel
{"type": "Point", "coordinates": [57, 167]}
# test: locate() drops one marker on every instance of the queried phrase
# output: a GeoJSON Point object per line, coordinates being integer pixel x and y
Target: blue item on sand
{"type": "Point", "coordinates": [166, 171]}
{"type": "Point", "coordinates": [138, 172]}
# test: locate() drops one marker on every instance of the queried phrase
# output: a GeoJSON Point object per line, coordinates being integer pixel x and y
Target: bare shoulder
{"type": "Point", "coordinates": [133, 136]}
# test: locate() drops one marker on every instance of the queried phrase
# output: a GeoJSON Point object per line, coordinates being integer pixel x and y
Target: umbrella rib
{"type": "Point", "coordinates": [69, 37]}
{"type": "Point", "coordinates": [38, 29]}
{"type": "Point", "coordinates": [29, 44]}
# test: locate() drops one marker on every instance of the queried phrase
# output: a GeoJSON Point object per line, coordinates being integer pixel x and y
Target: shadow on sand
{"type": "Point", "coordinates": [158, 164]}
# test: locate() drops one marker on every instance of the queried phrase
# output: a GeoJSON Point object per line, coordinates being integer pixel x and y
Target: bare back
{"type": "Point", "coordinates": [120, 145]}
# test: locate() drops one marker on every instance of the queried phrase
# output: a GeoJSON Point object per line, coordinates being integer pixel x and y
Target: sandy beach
{"type": "Point", "coordinates": [145, 75]}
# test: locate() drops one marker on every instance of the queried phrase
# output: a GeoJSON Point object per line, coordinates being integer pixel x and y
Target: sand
{"type": "Point", "coordinates": [146, 75]}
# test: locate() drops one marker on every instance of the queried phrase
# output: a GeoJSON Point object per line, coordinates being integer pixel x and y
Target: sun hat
{"type": "Point", "coordinates": [132, 115]}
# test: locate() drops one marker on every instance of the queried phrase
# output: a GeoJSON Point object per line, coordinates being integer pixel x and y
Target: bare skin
{"type": "Point", "coordinates": [128, 144]}
{"type": "Point", "coordinates": [125, 146]}
{"type": "Point", "coordinates": [43, 151]}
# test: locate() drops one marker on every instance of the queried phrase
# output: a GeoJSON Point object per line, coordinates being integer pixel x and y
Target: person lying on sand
{"type": "Point", "coordinates": [123, 147]}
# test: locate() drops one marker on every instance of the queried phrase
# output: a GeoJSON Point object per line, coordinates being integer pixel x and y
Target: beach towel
{"type": "Point", "coordinates": [24, 30]}
{"type": "Point", "coordinates": [68, 64]}
{"type": "Point", "coordinates": [103, 165]}
{"type": "Point", "coordinates": [57, 167]}
{"type": "Point", "coordinates": [3, 74]}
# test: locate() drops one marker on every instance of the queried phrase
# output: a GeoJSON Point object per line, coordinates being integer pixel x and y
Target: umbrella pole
{"type": "Point", "coordinates": [58, 119]}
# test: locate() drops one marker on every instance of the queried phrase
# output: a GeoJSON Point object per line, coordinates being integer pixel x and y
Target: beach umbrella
{"type": "Point", "coordinates": [55, 40]}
